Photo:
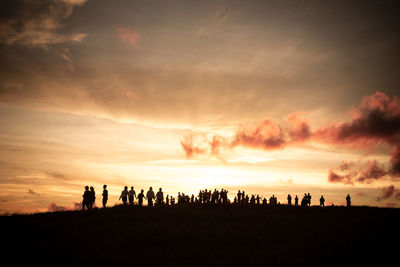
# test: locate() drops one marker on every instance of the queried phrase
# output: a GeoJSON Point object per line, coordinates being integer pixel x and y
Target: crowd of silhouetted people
{"type": "Point", "coordinates": [204, 197]}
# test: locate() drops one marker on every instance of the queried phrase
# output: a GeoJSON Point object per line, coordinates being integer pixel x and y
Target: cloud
{"type": "Point", "coordinates": [214, 22]}
{"type": "Point", "coordinates": [189, 148]}
{"type": "Point", "coordinates": [335, 177]}
{"type": "Point", "coordinates": [39, 23]}
{"type": "Point", "coordinates": [300, 131]}
{"type": "Point", "coordinates": [374, 122]}
{"type": "Point", "coordinates": [56, 175]}
{"type": "Point", "coordinates": [54, 207]}
{"type": "Point", "coordinates": [387, 192]}
{"type": "Point", "coordinates": [30, 191]}
{"type": "Point", "coordinates": [266, 135]}
{"type": "Point", "coordinates": [365, 173]}
{"type": "Point", "coordinates": [126, 35]}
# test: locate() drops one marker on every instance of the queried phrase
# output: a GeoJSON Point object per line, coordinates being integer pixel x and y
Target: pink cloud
{"type": "Point", "coordinates": [374, 122]}
{"type": "Point", "coordinates": [267, 135]}
{"type": "Point", "coordinates": [190, 149]}
{"type": "Point", "coordinates": [126, 35]}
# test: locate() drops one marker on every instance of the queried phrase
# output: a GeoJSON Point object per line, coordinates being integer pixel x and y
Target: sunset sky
{"type": "Point", "coordinates": [273, 97]}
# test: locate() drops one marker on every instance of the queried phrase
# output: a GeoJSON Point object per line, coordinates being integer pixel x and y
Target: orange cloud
{"type": "Point", "coordinates": [126, 35]}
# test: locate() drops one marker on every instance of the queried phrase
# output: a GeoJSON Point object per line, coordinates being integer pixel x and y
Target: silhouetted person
{"type": "Point", "coordinates": [124, 195]}
{"type": "Point", "coordinates": [258, 200]}
{"type": "Point", "coordinates": [289, 200]}
{"type": "Point", "coordinates": [167, 200]}
{"type": "Point", "coordinates": [92, 197]}
{"type": "Point", "coordinates": [304, 200]}
{"type": "Point", "coordinates": [105, 195]}
{"type": "Point", "coordinates": [309, 200]}
{"type": "Point", "coordinates": [172, 200]}
{"type": "Point", "coordinates": [239, 196]}
{"type": "Point", "coordinates": [131, 195]}
{"type": "Point", "coordinates": [296, 201]}
{"type": "Point", "coordinates": [140, 197]}
{"type": "Point", "coordinates": [150, 197]}
{"type": "Point", "coordinates": [322, 201]}
{"type": "Point", "coordinates": [160, 197]}
{"type": "Point", "coordinates": [348, 200]}
{"type": "Point", "coordinates": [86, 198]}
{"type": "Point", "coordinates": [252, 200]}
{"type": "Point", "coordinates": [243, 198]}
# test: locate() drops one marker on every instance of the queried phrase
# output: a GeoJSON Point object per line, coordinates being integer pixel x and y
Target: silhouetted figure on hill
{"type": "Point", "coordinates": [150, 197]}
{"type": "Point", "coordinates": [243, 197]}
{"type": "Point", "coordinates": [348, 200]}
{"type": "Point", "coordinates": [92, 197]}
{"type": "Point", "coordinates": [131, 196]}
{"type": "Point", "coordinates": [289, 200]}
{"type": "Point", "coordinates": [296, 201]}
{"type": "Point", "coordinates": [192, 199]}
{"type": "Point", "coordinates": [167, 200]}
{"type": "Point", "coordinates": [160, 197]}
{"type": "Point", "coordinates": [105, 195]}
{"type": "Point", "coordinates": [246, 199]}
{"type": "Point", "coordinates": [239, 197]}
{"type": "Point", "coordinates": [140, 197]}
{"type": "Point", "coordinates": [124, 195]}
{"type": "Point", "coordinates": [304, 200]}
{"type": "Point", "coordinates": [264, 202]}
{"type": "Point", "coordinates": [252, 200]}
{"type": "Point", "coordinates": [309, 200]}
{"type": "Point", "coordinates": [172, 200]}
{"type": "Point", "coordinates": [273, 200]}
{"type": "Point", "coordinates": [322, 201]}
{"type": "Point", "coordinates": [214, 196]}
{"type": "Point", "coordinates": [86, 198]}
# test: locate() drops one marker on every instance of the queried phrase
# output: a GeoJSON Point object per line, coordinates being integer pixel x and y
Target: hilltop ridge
{"type": "Point", "coordinates": [207, 235]}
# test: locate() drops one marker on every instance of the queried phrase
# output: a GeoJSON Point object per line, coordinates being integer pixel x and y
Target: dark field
{"type": "Point", "coordinates": [206, 236]}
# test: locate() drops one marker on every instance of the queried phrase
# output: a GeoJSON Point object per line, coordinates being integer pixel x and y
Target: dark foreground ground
{"type": "Point", "coordinates": [245, 236]}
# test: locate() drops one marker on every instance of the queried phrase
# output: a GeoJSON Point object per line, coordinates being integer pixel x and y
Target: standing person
{"type": "Point", "coordinates": [124, 195]}
{"type": "Point", "coordinates": [167, 200]}
{"type": "Point", "coordinates": [105, 195]}
{"type": "Point", "coordinates": [150, 197]}
{"type": "Point", "coordinates": [86, 198]}
{"type": "Point", "coordinates": [304, 200]}
{"type": "Point", "coordinates": [296, 201]}
{"type": "Point", "coordinates": [322, 201]}
{"type": "Point", "coordinates": [309, 200]}
{"type": "Point", "coordinates": [289, 200]}
{"type": "Point", "coordinates": [159, 197]}
{"type": "Point", "coordinates": [239, 197]}
{"type": "Point", "coordinates": [140, 197]}
{"type": "Point", "coordinates": [131, 196]}
{"type": "Point", "coordinates": [92, 197]}
{"type": "Point", "coordinates": [348, 200]}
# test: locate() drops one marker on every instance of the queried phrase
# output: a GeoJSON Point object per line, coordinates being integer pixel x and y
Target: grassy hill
{"type": "Point", "coordinates": [206, 235]}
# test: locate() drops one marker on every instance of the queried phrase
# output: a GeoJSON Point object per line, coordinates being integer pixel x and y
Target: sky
{"type": "Point", "coordinates": [271, 97]}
